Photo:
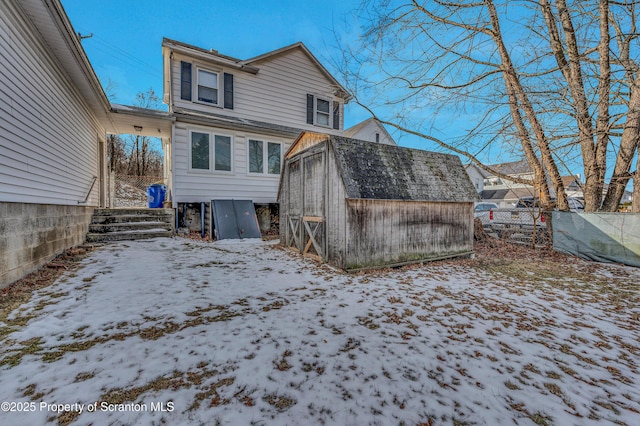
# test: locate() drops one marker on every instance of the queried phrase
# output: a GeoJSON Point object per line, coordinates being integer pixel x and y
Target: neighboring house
{"type": "Point", "coordinates": [235, 119]}
{"type": "Point", "coordinates": [504, 192]}
{"type": "Point", "coordinates": [359, 204]}
{"type": "Point", "coordinates": [572, 186]}
{"type": "Point", "coordinates": [370, 130]}
{"type": "Point", "coordinates": [477, 176]}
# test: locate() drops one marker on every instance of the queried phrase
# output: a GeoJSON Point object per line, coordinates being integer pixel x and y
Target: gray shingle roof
{"type": "Point", "coordinates": [512, 168]}
{"type": "Point", "coordinates": [386, 172]}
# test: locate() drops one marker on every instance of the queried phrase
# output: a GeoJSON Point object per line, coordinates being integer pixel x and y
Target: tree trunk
{"type": "Point", "coordinates": [628, 146]}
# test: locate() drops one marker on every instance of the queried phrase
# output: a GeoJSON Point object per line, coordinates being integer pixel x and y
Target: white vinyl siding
{"type": "Point", "coordinates": [239, 184]}
{"type": "Point", "coordinates": [48, 136]}
{"type": "Point", "coordinates": [277, 94]}
{"type": "Point", "coordinates": [372, 131]}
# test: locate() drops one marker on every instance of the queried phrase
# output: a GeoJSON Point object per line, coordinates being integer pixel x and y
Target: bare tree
{"type": "Point", "coordinates": [144, 159]}
{"type": "Point", "coordinates": [554, 80]}
{"type": "Point", "coordinates": [116, 154]}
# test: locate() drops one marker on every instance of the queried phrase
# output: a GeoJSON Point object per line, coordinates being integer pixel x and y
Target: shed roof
{"type": "Point", "coordinates": [375, 171]}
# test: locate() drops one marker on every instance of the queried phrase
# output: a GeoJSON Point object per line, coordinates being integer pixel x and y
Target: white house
{"type": "Point", "coordinates": [235, 119]}
{"type": "Point", "coordinates": [54, 117]}
{"type": "Point", "coordinates": [370, 130]}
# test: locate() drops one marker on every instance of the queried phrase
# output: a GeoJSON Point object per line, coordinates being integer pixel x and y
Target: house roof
{"type": "Point", "coordinates": [513, 167]}
{"type": "Point", "coordinates": [54, 26]}
{"type": "Point", "coordinates": [252, 65]}
{"type": "Point", "coordinates": [141, 121]}
{"type": "Point", "coordinates": [371, 170]}
{"type": "Point", "coordinates": [506, 194]}
{"type": "Point", "coordinates": [210, 55]}
{"type": "Point", "coordinates": [234, 123]}
{"type": "Point", "coordinates": [482, 172]}
{"type": "Point", "coordinates": [568, 180]}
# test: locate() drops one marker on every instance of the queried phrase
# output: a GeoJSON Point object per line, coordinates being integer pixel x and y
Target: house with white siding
{"type": "Point", "coordinates": [370, 130]}
{"type": "Point", "coordinates": [54, 118]}
{"type": "Point", "coordinates": [235, 119]}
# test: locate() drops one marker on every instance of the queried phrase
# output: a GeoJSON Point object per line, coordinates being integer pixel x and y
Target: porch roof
{"type": "Point", "coordinates": [141, 121]}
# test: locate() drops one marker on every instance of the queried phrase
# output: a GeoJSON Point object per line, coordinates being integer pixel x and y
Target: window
{"type": "Point", "coordinates": [212, 87]}
{"type": "Point", "coordinates": [263, 154]}
{"type": "Point", "coordinates": [203, 152]}
{"type": "Point", "coordinates": [323, 112]}
{"type": "Point", "coordinates": [200, 151]}
{"type": "Point", "coordinates": [223, 153]}
{"type": "Point", "coordinates": [274, 158]}
{"type": "Point", "coordinates": [208, 87]}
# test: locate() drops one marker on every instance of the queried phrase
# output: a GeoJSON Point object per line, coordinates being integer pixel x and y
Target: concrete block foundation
{"type": "Point", "coordinates": [33, 234]}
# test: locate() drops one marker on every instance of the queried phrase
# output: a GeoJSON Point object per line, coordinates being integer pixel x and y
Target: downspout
{"type": "Point", "coordinates": [173, 137]}
{"type": "Point", "coordinates": [202, 217]}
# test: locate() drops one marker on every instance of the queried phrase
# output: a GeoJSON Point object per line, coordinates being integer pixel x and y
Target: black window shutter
{"type": "Point", "coordinates": [336, 115]}
{"type": "Point", "coordinates": [185, 81]}
{"type": "Point", "coordinates": [228, 90]}
{"type": "Point", "coordinates": [309, 109]}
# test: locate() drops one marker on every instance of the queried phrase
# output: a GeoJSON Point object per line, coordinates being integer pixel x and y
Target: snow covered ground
{"type": "Point", "coordinates": [177, 331]}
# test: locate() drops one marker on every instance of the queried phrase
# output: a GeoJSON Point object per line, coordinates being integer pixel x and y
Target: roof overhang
{"type": "Point", "coordinates": [235, 123]}
{"type": "Point", "coordinates": [210, 56]}
{"type": "Point", "coordinates": [53, 24]}
{"type": "Point", "coordinates": [141, 121]}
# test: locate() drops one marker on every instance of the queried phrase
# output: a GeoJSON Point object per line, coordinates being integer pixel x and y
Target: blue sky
{"type": "Point", "coordinates": [127, 34]}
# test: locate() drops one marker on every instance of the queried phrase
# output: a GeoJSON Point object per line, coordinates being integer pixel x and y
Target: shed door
{"type": "Point", "coordinates": [313, 202]}
{"type": "Point", "coordinates": [294, 207]}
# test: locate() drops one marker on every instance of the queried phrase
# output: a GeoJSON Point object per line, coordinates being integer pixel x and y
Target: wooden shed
{"type": "Point", "coordinates": [358, 205]}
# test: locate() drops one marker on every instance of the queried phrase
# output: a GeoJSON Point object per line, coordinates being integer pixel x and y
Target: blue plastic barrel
{"type": "Point", "coordinates": [155, 195]}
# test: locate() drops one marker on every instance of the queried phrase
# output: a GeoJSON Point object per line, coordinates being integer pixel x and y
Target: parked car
{"type": "Point", "coordinates": [483, 207]}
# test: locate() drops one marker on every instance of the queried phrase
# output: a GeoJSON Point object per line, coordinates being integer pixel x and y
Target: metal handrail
{"type": "Point", "coordinates": [95, 178]}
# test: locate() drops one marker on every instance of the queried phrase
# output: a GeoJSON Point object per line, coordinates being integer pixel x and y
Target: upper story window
{"type": "Point", "coordinates": [264, 157]}
{"type": "Point", "coordinates": [323, 117]}
{"type": "Point", "coordinates": [208, 87]}
{"type": "Point", "coordinates": [208, 156]}
{"type": "Point", "coordinates": [323, 112]}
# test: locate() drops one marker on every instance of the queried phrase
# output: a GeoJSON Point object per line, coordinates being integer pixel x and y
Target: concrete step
{"type": "Point", "coordinates": [127, 235]}
{"type": "Point", "coordinates": [132, 211]}
{"type": "Point", "coordinates": [100, 228]}
{"type": "Point", "coordinates": [132, 218]}
{"type": "Point", "coordinates": [130, 224]}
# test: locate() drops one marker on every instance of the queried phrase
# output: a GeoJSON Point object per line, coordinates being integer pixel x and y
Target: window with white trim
{"type": "Point", "coordinates": [264, 157]}
{"type": "Point", "coordinates": [323, 112]}
{"type": "Point", "coordinates": [323, 116]}
{"type": "Point", "coordinates": [208, 156]}
{"type": "Point", "coordinates": [208, 87]}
